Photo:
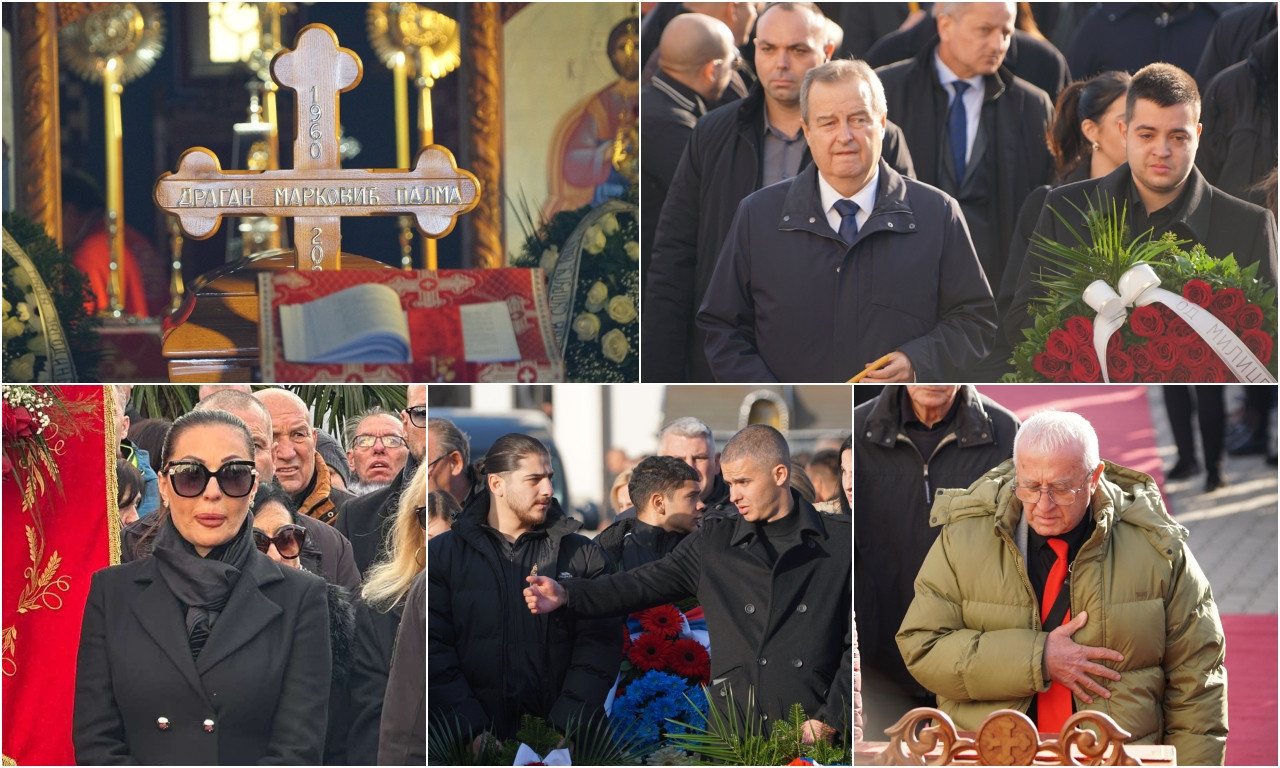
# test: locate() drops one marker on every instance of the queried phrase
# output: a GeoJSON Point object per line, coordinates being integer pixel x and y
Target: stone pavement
{"type": "Point", "coordinates": [1233, 530]}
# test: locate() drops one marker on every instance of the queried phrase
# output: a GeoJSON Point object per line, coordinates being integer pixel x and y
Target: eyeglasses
{"type": "Point", "coordinates": [190, 478]}
{"type": "Point", "coordinates": [431, 464]}
{"type": "Point", "coordinates": [288, 540]}
{"type": "Point", "coordinates": [417, 415]}
{"type": "Point", "coordinates": [365, 442]}
{"type": "Point", "coordinates": [1063, 497]}
{"type": "Point", "coordinates": [421, 513]}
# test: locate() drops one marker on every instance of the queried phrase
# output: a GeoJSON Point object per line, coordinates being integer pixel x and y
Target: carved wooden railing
{"type": "Point", "coordinates": [1005, 737]}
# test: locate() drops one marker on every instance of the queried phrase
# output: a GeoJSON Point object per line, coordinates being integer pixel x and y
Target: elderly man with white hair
{"type": "Point", "coordinates": [1059, 583]}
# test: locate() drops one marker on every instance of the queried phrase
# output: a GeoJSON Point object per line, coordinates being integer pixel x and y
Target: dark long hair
{"type": "Point", "coordinates": [1080, 101]}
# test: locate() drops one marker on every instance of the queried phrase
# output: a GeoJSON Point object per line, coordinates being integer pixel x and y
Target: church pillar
{"type": "Point", "coordinates": [39, 156]}
{"type": "Point", "coordinates": [482, 47]}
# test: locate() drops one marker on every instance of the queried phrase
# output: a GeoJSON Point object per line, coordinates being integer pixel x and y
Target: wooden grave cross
{"type": "Point", "coordinates": [317, 193]}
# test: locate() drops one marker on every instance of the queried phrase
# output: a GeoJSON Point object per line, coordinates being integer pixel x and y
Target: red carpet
{"type": "Point", "coordinates": [1120, 415]}
{"type": "Point", "coordinates": [1251, 689]}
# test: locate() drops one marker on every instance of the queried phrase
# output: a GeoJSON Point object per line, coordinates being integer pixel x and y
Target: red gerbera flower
{"type": "Point", "coordinates": [649, 652]}
{"type": "Point", "coordinates": [664, 620]}
{"type": "Point", "coordinates": [689, 659]}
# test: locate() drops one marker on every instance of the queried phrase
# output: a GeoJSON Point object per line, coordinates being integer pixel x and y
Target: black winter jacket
{"type": "Point", "coordinates": [1238, 143]}
{"type": "Point", "coordinates": [1009, 157]}
{"type": "Point", "coordinates": [1129, 36]}
{"type": "Point", "coordinates": [1233, 36]}
{"type": "Point", "coordinates": [791, 301]}
{"type": "Point", "coordinates": [784, 632]}
{"type": "Point", "coordinates": [893, 490]}
{"type": "Point", "coordinates": [720, 167]}
{"type": "Point", "coordinates": [477, 614]}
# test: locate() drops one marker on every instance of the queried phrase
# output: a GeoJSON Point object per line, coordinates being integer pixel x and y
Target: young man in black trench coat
{"type": "Point", "coordinates": [774, 584]}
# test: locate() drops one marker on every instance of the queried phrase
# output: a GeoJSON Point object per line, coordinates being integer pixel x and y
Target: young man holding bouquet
{"type": "Point", "coordinates": [774, 585]}
{"type": "Point", "coordinates": [1159, 187]}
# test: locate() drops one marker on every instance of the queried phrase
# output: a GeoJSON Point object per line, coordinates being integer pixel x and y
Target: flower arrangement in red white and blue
{"type": "Point", "coordinates": [666, 662]}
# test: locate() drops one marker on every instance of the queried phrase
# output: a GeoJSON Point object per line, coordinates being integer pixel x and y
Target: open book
{"type": "Point", "coordinates": [361, 324]}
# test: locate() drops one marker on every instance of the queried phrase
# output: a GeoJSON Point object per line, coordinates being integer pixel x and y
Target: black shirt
{"type": "Point", "coordinates": [1041, 557]}
{"type": "Point", "coordinates": [1161, 219]}
{"type": "Point", "coordinates": [776, 537]}
{"type": "Point", "coordinates": [926, 439]}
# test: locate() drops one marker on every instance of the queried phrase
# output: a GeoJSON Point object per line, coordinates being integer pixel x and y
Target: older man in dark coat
{"type": "Point", "coordinates": [1001, 117]}
{"type": "Point", "coordinates": [1161, 188]}
{"type": "Point", "coordinates": [806, 292]}
{"type": "Point", "coordinates": [730, 155]}
{"type": "Point", "coordinates": [774, 586]}
{"type": "Point", "coordinates": [908, 442]}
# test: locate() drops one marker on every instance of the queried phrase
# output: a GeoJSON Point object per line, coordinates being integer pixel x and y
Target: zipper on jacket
{"type": "Point", "coordinates": [950, 437]}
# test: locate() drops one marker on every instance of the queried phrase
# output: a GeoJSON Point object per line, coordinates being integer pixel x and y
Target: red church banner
{"type": "Point", "coordinates": [52, 546]}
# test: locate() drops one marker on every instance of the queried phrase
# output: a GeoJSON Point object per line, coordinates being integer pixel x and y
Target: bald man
{"type": "Point", "coordinates": [695, 62]}
{"type": "Point", "coordinates": [300, 469]}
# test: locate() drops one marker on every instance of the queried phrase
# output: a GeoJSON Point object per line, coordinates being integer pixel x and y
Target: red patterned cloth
{"type": "Point", "coordinates": [431, 300]}
{"type": "Point", "coordinates": [42, 611]}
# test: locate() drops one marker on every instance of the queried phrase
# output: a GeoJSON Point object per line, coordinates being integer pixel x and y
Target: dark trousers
{"type": "Point", "coordinates": [1209, 406]}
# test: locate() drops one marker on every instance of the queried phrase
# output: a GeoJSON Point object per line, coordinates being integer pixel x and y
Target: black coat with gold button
{"type": "Point", "coordinates": [258, 693]}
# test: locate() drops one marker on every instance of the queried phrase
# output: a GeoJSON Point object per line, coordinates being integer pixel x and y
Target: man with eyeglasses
{"type": "Point", "coordinates": [449, 466]}
{"type": "Point", "coordinates": [366, 519]}
{"type": "Point", "coordinates": [376, 450]}
{"type": "Point", "coordinates": [1059, 583]}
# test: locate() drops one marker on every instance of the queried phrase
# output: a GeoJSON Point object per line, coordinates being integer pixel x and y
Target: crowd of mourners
{"type": "Point", "coordinates": [270, 605]}
{"type": "Point", "coordinates": [528, 617]}
{"type": "Point", "coordinates": [835, 186]}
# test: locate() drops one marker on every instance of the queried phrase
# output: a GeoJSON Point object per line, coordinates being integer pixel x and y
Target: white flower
{"type": "Point", "coordinates": [632, 249]}
{"type": "Point", "coordinates": [549, 258]}
{"type": "Point", "coordinates": [609, 224]}
{"type": "Point", "coordinates": [615, 346]}
{"type": "Point", "coordinates": [586, 325]}
{"type": "Point", "coordinates": [23, 368]}
{"type": "Point", "coordinates": [13, 327]}
{"type": "Point", "coordinates": [39, 345]}
{"type": "Point", "coordinates": [19, 277]}
{"type": "Point", "coordinates": [593, 240]}
{"type": "Point", "coordinates": [597, 295]}
{"type": "Point", "coordinates": [22, 311]}
{"type": "Point", "coordinates": [622, 309]}
{"type": "Point", "coordinates": [7, 306]}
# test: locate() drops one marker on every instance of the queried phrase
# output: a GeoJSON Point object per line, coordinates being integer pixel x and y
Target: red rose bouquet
{"type": "Point", "coordinates": [1178, 316]}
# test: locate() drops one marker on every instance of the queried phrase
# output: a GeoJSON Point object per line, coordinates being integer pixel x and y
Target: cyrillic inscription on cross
{"type": "Point", "coordinates": [317, 192]}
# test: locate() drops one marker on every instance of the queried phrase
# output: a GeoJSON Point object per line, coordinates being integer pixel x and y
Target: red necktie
{"type": "Point", "coordinates": [1053, 707]}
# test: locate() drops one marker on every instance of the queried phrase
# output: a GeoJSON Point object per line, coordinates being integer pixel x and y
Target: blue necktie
{"type": "Point", "coordinates": [957, 129]}
{"type": "Point", "coordinates": [848, 224]}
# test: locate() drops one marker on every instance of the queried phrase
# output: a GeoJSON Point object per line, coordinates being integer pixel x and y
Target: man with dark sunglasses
{"type": "Point", "coordinates": [365, 519]}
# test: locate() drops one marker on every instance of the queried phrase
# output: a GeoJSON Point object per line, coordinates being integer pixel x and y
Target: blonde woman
{"type": "Point", "coordinates": [378, 617]}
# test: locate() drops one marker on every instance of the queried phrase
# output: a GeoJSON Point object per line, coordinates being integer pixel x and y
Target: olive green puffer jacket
{"type": "Point", "coordinates": [973, 632]}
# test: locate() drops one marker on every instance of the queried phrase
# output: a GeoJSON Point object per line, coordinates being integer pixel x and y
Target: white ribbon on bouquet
{"type": "Point", "coordinates": [526, 756]}
{"type": "Point", "coordinates": [1139, 286]}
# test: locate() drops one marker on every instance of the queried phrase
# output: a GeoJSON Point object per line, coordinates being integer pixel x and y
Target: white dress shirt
{"type": "Point", "coordinates": [865, 198]}
{"type": "Point", "coordinates": [972, 101]}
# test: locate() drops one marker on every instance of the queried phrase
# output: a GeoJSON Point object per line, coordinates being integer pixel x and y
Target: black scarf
{"type": "Point", "coordinates": [202, 584]}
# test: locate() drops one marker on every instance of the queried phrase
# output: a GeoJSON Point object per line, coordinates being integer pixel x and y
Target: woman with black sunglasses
{"type": "Point", "coordinates": [206, 652]}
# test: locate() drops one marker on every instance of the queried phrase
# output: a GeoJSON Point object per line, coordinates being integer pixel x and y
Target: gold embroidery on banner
{"type": "Point", "coordinates": [9, 761]}
{"type": "Point", "coordinates": [113, 482]}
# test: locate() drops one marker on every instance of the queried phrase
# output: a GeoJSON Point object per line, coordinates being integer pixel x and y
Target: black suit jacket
{"type": "Point", "coordinates": [366, 520]}
{"type": "Point", "coordinates": [262, 680]}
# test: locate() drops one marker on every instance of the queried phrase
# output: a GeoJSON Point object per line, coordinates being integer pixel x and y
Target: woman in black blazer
{"type": "Point", "coordinates": [206, 652]}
